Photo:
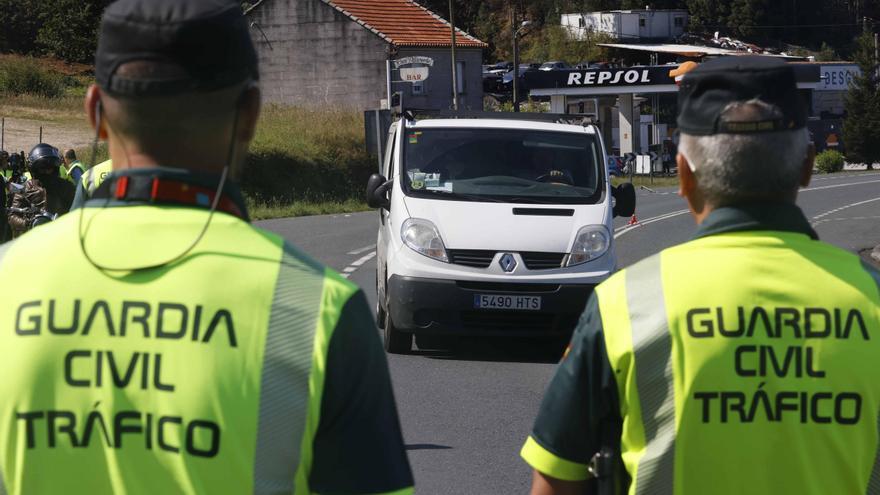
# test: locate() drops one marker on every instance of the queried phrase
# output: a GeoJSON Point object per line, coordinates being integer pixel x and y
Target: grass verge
{"type": "Point", "coordinates": [261, 210]}
{"type": "Point", "coordinates": [643, 180]}
{"type": "Point", "coordinates": [63, 110]}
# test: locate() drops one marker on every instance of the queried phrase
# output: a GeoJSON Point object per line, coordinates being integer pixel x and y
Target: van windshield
{"type": "Point", "coordinates": [502, 165]}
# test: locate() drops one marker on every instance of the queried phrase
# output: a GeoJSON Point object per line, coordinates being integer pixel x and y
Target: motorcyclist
{"type": "Point", "coordinates": [17, 173]}
{"type": "Point", "coordinates": [44, 192]}
{"type": "Point", "coordinates": [4, 226]}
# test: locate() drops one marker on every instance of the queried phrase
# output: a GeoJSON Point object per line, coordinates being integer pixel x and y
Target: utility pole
{"type": "Point", "coordinates": [454, 65]}
{"type": "Point", "coordinates": [515, 31]}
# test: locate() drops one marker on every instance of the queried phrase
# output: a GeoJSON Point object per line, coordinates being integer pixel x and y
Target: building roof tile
{"type": "Point", "coordinates": [403, 23]}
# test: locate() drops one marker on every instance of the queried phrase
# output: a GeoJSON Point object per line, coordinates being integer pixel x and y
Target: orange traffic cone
{"type": "Point", "coordinates": [633, 220]}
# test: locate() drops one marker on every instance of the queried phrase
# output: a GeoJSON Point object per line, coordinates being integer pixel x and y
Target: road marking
{"type": "Point", "coordinates": [836, 210]}
{"type": "Point", "coordinates": [347, 271]}
{"type": "Point", "coordinates": [363, 260]}
{"type": "Point", "coordinates": [846, 176]}
{"type": "Point", "coordinates": [361, 250]}
{"type": "Point", "coordinates": [820, 188]}
{"type": "Point", "coordinates": [652, 191]}
{"type": "Point", "coordinates": [627, 228]}
{"type": "Point", "coordinates": [839, 219]}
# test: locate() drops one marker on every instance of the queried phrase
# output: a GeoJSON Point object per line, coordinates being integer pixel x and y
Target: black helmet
{"type": "Point", "coordinates": [15, 162]}
{"type": "Point", "coordinates": [44, 155]}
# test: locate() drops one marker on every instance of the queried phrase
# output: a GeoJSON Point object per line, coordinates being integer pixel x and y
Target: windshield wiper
{"type": "Point", "coordinates": [469, 197]}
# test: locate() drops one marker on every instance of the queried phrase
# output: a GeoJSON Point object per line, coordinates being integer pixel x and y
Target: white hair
{"type": "Point", "coordinates": [733, 168]}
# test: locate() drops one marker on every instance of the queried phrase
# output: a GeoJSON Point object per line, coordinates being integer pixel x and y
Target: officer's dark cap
{"type": "Point", "coordinates": [193, 45]}
{"type": "Point", "coordinates": [710, 95]}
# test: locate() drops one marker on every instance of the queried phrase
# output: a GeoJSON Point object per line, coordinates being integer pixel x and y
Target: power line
{"type": "Point", "coordinates": [783, 26]}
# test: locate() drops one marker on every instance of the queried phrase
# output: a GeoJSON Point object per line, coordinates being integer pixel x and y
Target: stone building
{"type": "Point", "coordinates": [323, 52]}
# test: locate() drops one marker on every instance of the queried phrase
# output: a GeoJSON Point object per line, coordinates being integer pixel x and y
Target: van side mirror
{"type": "Point", "coordinates": [377, 191]}
{"type": "Point", "coordinates": [624, 200]}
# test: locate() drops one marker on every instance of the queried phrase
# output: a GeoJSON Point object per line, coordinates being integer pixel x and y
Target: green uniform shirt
{"type": "Point", "coordinates": [713, 402]}
{"type": "Point", "coordinates": [244, 367]}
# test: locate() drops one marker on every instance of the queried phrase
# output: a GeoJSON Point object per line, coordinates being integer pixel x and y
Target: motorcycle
{"type": "Point", "coordinates": [39, 217]}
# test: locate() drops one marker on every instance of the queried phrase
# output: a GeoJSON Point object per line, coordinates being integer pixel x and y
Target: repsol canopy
{"type": "Point", "coordinates": [638, 79]}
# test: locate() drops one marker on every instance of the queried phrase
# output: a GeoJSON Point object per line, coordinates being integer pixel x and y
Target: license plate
{"type": "Point", "coordinates": [524, 303]}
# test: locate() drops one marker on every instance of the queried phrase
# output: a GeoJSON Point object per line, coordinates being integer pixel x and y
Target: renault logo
{"type": "Point", "coordinates": [507, 262]}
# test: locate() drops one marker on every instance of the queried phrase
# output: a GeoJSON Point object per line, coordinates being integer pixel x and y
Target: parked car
{"type": "Point", "coordinates": [523, 68]}
{"type": "Point", "coordinates": [556, 65]}
{"type": "Point", "coordinates": [493, 80]}
{"type": "Point", "coordinates": [491, 227]}
{"type": "Point", "coordinates": [499, 68]}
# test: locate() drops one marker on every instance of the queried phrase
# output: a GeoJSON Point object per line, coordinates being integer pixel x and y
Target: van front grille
{"type": "Point", "coordinates": [475, 258]}
{"type": "Point", "coordinates": [543, 261]}
{"type": "Point", "coordinates": [481, 258]}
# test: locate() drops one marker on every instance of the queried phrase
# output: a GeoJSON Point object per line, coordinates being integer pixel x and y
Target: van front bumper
{"type": "Point", "coordinates": [446, 307]}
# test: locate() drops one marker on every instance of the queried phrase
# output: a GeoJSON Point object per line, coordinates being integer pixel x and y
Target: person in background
{"type": "Point", "coordinates": [44, 192]}
{"type": "Point", "coordinates": [74, 167]}
{"type": "Point", "coordinates": [4, 191]}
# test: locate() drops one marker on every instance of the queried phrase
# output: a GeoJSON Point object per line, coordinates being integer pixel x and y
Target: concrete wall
{"type": "Point", "coordinates": [312, 55]}
{"type": "Point", "coordinates": [438, 86]}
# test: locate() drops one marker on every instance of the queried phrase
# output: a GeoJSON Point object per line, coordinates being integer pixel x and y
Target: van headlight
{"type": "Point", "coordinates": [423, 237]}
{"type": "Point", "coordinates": [591, 242]}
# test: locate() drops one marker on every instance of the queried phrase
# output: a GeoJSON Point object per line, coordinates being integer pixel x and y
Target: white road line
{"type": "Point", "coordinates": [842, 219]}
{"type": "Point", "coordinates": [628, 228]}
{"type": "Point", "coordinates": [347, 271]}
{"type": "Point", "coordinates": [363, 260]}
{"type": "Point", "coordinates": [836, 210]}
{"type": "Point", "coordinates": [362, 250]}
{"type": "Point", "coordinates": [623, 230]}
{"type": "Point", "coordinates": [846, 176]}
{"type": "Point", "coordinates": [820, 188]}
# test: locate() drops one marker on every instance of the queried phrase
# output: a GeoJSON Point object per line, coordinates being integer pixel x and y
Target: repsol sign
{"type": "Point", "coordinates": [633, 76]}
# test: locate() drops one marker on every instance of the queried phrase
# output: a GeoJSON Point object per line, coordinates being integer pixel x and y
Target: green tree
{"type": "Point", "coordinates": [554, 43]}
{"type": "Point", "coordinates": [19, 25]}
{"type": "Point", "coordinates": [70, 29]}
{"type": "Point", "coordinates": [861, 127]}
{"type": "Point", "coordinates": [707, 15]}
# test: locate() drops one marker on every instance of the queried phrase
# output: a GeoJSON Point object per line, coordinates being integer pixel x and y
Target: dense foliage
{"type": "Point", "coordinates": [66, 29]}
{"type": "Point", "coordinates": [772, 23]}
{"type": "Point", "coordinates": [862, 125]}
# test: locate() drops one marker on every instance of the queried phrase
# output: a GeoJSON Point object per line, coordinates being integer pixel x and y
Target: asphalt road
{"type": "Point", "coordinates": [465, 413]}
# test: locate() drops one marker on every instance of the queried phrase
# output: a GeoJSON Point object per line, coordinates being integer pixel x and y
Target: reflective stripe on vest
{"type": "Point", "coordinates": [652, 346]}
{"type": "Point", "coordinates": [287, 364]}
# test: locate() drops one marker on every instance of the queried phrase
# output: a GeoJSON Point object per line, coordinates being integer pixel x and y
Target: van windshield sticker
{"type": "Point", "coordinates": [444, 187]}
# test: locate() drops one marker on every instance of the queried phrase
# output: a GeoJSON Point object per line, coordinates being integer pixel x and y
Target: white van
{"type": "Point", "coordinates": [491, 226]}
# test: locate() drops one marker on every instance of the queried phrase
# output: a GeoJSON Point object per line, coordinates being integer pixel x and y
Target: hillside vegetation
{"type": "Point", "coordinates": [812, 24]}
{"type": "Point", "coordinates": [67, 29]}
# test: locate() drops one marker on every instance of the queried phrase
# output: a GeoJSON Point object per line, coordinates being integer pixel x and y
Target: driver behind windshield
{"type": "Point", "coordinates": [543, 167]}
